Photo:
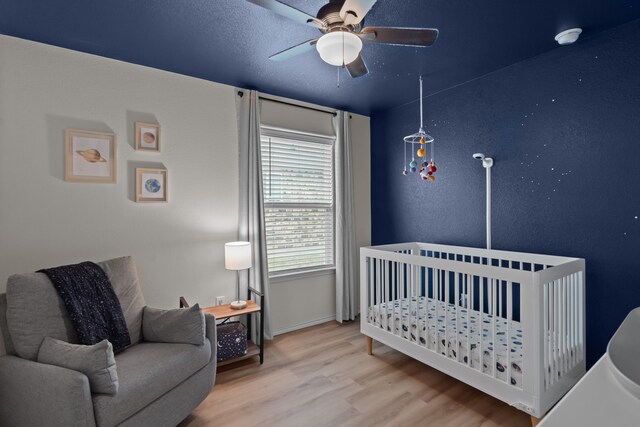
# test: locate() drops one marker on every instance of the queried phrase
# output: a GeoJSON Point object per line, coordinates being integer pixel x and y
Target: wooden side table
{"type": "Point", "coordinates": [221, 312]}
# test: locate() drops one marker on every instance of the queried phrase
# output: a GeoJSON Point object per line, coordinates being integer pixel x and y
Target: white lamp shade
{"type": "Point", "coordinates": [339, 47]}
{"type": "Point", "coordinates": [237, 255]}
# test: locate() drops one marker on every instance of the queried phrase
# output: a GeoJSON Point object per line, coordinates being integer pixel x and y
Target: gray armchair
{"type": "Point", "coordinates": [159, 383]}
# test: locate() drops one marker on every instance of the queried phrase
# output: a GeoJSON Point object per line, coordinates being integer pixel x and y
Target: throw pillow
{"type": "Point", "coordinates": [95, 361]}
{"type": "Point", "coordinates": [180, 325]}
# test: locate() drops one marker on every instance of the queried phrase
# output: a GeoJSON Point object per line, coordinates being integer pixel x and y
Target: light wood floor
{"type": "Point", "coordinates": [322, 376]}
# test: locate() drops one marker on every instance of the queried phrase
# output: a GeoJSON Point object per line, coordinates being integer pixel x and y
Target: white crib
{"type": "Point", "coordinates": [428, 301]}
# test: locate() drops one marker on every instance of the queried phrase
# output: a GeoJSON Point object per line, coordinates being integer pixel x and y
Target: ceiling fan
{"type": "Point", "coordinates": [341, 24]}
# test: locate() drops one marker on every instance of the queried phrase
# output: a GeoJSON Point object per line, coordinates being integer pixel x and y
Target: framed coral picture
{"type": "Point", "coordinates": [151, 185]}
{"type": "Point", "coordinates": [147, 137]}
{"type": "Point", "coordinates": [89, 156]}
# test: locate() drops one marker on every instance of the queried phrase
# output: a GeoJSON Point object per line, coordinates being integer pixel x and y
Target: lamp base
{"type": "Point", "coordinates": [238, 305]}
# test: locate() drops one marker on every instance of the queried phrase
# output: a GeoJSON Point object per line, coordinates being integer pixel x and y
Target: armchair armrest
{"type": "Point", "coordinates": [37, 394]}
{"type": "Point", "coordinates": [210, 333]}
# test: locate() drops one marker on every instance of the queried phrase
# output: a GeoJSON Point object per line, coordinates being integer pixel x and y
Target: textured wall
{"type": "Point", "coordinates": [564, 129]}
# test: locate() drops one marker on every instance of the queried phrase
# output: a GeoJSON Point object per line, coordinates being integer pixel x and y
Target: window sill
{"type": "Point", "coordinates": [286, 277]}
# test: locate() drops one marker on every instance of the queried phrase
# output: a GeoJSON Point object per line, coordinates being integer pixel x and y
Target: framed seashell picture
{"type": "Point", "coordinates": [151, 185]}
{"type": "Point", "coordinates": [89, 156]}
{"type": "Point", "coordinates": [147, 137]}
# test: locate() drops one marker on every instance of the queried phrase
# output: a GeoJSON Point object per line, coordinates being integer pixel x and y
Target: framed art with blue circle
{"type": "Point", "coordinates": [151, 185]}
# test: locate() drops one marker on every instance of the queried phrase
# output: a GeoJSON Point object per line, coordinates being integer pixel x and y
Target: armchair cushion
{"type": "Point", "coordinates": [181, 325]}
{"type": "Point", "coordinates": [146, 372]}
{"type": "Point", "coordinates": [123, 275]}
{"type": "Point", "coordinates": [35, 310]}
{"type": "Point", "coordinates": [95, 361]}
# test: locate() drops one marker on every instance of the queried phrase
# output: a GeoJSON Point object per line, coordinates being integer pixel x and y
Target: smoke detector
{"type": "Point", "coordinates": [568, 36]}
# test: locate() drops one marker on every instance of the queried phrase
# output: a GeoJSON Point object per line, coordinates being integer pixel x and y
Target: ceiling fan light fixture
{"type": "Point", "coordinates": [339, 47]}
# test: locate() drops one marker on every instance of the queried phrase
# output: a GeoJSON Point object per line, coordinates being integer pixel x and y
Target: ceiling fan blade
{"type": "Point", "coordinates": [289, 12]}
{"type": "Point", "coordinates": [357, 68]}
{"type": "Point", "coordinates": [401, 36]}
{"type": "Point", "coordinates": [294, 51]}
{"type": "Point", "coordinates": [354, 11]}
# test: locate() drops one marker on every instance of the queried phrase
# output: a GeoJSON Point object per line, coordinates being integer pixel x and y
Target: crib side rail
{"type": "Point", "coordinates": [561, 320]}
{"type": "Point", "coordinates": [498, 256]}
{"type": "Point", "coordinates": [409, 257]}
{"type": "Point", "coordinates": [505, 259]}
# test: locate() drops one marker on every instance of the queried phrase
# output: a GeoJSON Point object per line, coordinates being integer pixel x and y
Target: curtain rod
{"type": "Point", "coordinates": [241, 94]}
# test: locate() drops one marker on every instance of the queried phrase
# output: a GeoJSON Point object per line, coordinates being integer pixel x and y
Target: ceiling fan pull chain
{"type": "Point", "coordinates": [404, 172]}
{"type": "Point", "coordinates": [343, 64]}
{"type": "Point", "coordinates": [421, 125]}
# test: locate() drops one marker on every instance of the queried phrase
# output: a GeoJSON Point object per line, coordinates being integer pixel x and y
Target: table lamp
{"type": "Point", "coordinates": [237, 256]}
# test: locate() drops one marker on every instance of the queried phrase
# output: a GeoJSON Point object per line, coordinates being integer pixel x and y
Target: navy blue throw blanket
{"type": "Point", "coordinates": [91, 303]}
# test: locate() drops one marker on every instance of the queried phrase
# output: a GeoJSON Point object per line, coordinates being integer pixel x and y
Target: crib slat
{"type": "Point", "coordinates": [378, 290]}
{"type": "Point", "coordinates": [569, 326]}
{"type": "Point", "coordinates": [494, 326]}
{"type": "Point", "coordinates": [438, 283]}
{"type": "Point", "coordinates": [553, 331]}
{"type": "Point", "coordinates": [446, 312]}
{"type": "Point", "coordinates": [385, 291]}
{"type": "Point", "coordinates": [481, 323]}
{"type": "Point", "coordinates": [545, 331]}
{"type": "Point", "coordinates": [393, 286]}
{"type": "Point", "coordinates": [582, 314]}
{"type": "Point", "coordinates": [560, 329]}
{"type": "Point", "coordinates": [508, 295]}
{"type": "Point", "coordinates": [406, 322]}
{"type": "Point", "coordinates": [427, 304]}
{"type": "Point", "coordinates": [561, 314]}
{"type": "Point", "coordinates": [552, 328]}
{"type": "Point", "coordinates": [423, 333]}
{"type": "Point", "coordinates": [549, 333]}
{"type": "Point", "coordinates": [415, 293]}
{"type": "Point", "coordinates": [374, 281]}
{"type": "Point", "coordinates": [456, 297]}
{"type": "Point", "coordinates": [560, 355]}
{"type": "Point", "coordinates": [469, 308]}
{"type": "Point", "coordinates": [556, 320]}
{"type": "Point", "coordinates": [565, 349]}
{"type": "Point", "coordinates": [574, 316]}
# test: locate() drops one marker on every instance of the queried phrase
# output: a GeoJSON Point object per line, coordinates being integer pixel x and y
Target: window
{"type": "Point", "coordinates": [297, 173]}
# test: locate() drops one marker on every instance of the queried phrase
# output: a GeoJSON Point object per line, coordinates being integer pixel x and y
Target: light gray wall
{"type": "Point", "coordinates": [45, 221]}
{"type": "Point", "coordinates": [178, 246]}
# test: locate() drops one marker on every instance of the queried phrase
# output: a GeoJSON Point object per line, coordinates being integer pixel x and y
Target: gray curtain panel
{"type": "Point", "coordinates": [251, 226]}
{"type": "Point", "coordinates": [347, 290]}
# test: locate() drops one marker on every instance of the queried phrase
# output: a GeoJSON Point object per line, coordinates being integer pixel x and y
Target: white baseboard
{"type": "Point", "coordinates": [304, 325]}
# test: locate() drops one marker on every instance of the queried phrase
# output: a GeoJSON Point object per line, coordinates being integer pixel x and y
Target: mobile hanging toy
{"type": "Point", "coordinates": [422, 139]}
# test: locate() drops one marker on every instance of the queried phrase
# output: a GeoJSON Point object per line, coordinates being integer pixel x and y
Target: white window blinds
{"type": "Point", "coordinates": [298, 193]}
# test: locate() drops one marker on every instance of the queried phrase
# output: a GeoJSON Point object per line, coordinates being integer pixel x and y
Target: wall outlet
{"type": "Point", "coordinates": [219, 300]}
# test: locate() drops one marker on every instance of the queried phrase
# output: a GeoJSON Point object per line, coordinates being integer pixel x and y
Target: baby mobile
{"type": "Point", "coordinates": [421, 138]}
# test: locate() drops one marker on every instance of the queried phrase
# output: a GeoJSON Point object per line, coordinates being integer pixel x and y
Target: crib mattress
{"type": "Point", "coordinates": [406, 317]}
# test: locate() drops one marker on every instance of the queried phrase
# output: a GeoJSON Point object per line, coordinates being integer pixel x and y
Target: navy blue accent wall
{"type": "Point", "coordinates": [564, 129]}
